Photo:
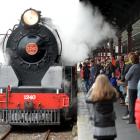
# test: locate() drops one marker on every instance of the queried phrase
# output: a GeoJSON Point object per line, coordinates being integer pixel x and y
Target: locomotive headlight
{"type": "Point", "coordinates": [30, 17]}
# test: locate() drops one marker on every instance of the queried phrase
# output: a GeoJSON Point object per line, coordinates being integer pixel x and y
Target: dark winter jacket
{"type": "Point", "coordinates": [104, 115]}
{"type": "Point", "coordinates": [86, 73]}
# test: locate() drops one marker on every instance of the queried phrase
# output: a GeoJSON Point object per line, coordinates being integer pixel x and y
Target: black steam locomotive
{"type": "Point", "coordinates": [35, 88]}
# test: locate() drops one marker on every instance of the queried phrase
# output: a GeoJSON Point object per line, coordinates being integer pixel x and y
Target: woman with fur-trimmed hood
{"type": "Point", "coordinates": [102, 95]}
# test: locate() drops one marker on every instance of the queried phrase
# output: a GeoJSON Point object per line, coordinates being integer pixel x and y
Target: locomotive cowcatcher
{"type": "Point", "coordinates": [35, 87]}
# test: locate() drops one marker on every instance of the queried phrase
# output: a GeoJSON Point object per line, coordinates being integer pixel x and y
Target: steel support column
{"type": "Point", "coordinates": [111, 47]}
{"type": "Point", "coordinates": [130, 41]}
{"type": "Point", "coordinates": [119, 43]}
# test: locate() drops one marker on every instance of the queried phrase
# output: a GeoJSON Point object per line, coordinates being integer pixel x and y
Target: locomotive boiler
{"type": "Point", "coordinates": [35, 88]}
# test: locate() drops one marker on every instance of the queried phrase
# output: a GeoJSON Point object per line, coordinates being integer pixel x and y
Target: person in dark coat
{"type": "Point", "coordinates": [102, 95]}
{"type": "Point", "coordinates": [92, 72]}
{"type": "Point", "coordinates": [86, 76]}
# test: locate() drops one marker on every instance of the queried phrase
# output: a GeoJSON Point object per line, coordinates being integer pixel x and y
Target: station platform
{"type": "Point", "coordinates": [85, 127]}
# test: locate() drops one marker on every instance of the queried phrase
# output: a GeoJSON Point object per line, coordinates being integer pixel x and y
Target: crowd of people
{"type": "Point", "coordinates": [109, 80]}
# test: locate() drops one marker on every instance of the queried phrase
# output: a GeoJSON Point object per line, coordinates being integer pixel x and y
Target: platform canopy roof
{"type": "Point", "coordinates": [120, 13]}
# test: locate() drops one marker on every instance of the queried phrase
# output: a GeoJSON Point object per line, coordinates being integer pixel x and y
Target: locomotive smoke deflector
{"type": "Point", "coordinates": [30, 17]}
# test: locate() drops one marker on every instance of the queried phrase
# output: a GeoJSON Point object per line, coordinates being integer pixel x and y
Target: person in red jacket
{"type": "Point", "coordinates": [137, 108]}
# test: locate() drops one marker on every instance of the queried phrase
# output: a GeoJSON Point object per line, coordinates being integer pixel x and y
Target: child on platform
{"type": "Point", "coordinates": [102, 95]}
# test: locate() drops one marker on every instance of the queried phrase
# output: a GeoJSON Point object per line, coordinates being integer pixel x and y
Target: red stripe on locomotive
{"type": "Point", "coordinates": [39, 100]}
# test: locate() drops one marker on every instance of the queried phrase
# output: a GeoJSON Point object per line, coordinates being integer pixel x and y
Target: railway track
{"type": "Point", "coordinates": [47, 135]}
{"type": "Point", "coordinates": [5, 134]}
{"type": "Point", "coordinates": [9, 135]}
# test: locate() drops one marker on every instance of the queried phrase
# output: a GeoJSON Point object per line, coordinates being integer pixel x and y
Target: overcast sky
{"type": "Point", "coordinates": [11, 10]}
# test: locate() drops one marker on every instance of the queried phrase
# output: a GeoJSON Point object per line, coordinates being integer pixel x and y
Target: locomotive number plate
{"type": "Point", "coordinates": [29, 97]}
{"type": "Point", "coordinates": [31, 48]}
